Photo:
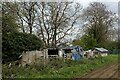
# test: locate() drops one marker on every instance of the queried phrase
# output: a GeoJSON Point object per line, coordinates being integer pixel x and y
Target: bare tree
{"type": "Point", "coordinates": [54, 20]}
{"type": "Point", "coordinates": [26, 14]}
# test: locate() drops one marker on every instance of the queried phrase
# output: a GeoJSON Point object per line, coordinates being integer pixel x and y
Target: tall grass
{"type": "Point", "coordinates": [59, 69]}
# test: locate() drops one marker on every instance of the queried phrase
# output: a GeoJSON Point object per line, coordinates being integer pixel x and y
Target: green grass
{"type": "Point", "coordinates": [68, 69]}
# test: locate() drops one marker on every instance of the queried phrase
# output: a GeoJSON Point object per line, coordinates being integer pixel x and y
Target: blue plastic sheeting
{"type": "Point", "coordinates": [76, 56]}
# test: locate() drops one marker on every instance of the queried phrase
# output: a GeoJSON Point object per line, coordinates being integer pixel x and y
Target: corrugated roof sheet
{"type": "Point", "coordinates": [101, 49]}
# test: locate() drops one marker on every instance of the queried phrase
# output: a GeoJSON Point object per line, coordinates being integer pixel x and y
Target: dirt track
{"type": "Point", "coordinates": [104, 72]}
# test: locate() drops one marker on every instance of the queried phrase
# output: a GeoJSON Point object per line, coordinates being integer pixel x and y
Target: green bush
{"type": "Point", "coordinates": [86, 42]}
{"type": "Point", "coordinates": [76, 62]}
{"type": "Point", "coordinates": [56, 63]}
{"type": "Point", "coordinates": [13, 44]}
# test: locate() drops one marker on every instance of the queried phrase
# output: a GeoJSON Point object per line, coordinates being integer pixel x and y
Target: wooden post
{"type": "Point", "coordinates": [44, 56]}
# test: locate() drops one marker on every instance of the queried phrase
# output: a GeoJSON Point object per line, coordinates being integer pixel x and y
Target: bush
{"type": "Point", "coordinates": [76, 62]}
{"type": "Point", "coordinates": [13, 44]}
{"type": "Point", "coordinates": [56, 63]}
{"type": "Point", "coordinates": [11, 71]}
{"type": "Point", "coordinates": [86, 41]}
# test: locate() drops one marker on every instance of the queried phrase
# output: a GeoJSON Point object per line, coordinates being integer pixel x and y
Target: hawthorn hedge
{"type": "Point", "coordinates": [13, 44]}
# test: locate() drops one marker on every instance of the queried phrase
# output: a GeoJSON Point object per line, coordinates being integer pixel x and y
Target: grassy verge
{"type": "Point", "coordinates": [59, 69]}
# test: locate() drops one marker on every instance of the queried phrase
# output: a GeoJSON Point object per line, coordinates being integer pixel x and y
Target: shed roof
{"type": "Point", "coordinates": [101, 49]}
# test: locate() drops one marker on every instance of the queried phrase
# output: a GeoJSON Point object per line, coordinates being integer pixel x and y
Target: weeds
{"type": "Point", "coordinates": [56, 68]}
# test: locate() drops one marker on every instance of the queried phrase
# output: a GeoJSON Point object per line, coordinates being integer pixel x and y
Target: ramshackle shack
{"type": "Point", "coordinates": [66, 53]}
{"type": "Point", "coordinates": [72, 53]}
{"type": "Point", "coordinates": [100, 52]}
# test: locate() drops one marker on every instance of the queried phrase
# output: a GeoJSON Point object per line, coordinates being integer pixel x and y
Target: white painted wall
{"type": "Point", "coordinates": [104, 54]}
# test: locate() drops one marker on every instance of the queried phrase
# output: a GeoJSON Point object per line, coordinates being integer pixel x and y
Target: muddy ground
{"type": "Point", "coordinates": [110, 71]}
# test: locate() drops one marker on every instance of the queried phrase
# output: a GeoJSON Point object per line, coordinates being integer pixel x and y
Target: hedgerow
{"type": "Point", "coordinates": [13, 44]}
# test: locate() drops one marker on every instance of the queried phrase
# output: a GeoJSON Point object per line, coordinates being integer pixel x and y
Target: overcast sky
{"type": "Point", "coordinates": [111, 4]}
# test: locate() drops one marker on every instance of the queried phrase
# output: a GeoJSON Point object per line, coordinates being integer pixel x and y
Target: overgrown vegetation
{"type": "Point", "coordinates": [13, 41]}
{"type": "Point", "coordinates": [13, 44]}
{"type": "Point", "coordinates": [86, 41]}
{"type": "Point", "coordinates": [58, 69]}
{"type": "Point", "coordinates": [52, 22]}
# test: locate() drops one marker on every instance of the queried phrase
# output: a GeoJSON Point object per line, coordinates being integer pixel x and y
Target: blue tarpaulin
{"type": "Point", "coordinates": [76, 56]}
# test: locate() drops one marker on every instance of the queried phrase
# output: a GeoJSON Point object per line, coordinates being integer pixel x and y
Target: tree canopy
{"type": "Point", "coordinates": [9, 18]}
{"type": "Point", "coordinates": [86, 41]}
{"type": "Point", "coordinates": [13, 41]}
{"type": "Point", "coordinates": [99, 22]}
